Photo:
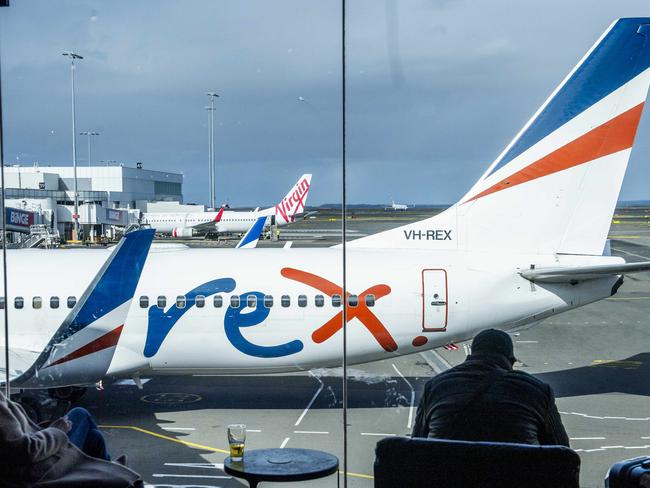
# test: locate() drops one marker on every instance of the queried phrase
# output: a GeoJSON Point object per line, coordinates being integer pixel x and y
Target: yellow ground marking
{"type": "Point", "coordinates": [628, 298]}
{"type": "Point", "coordinates": [611, 363]}
{"type": "Point", "coordinates": [201, 446]}
{"type": "Point", "coordinates": [165, 437]}
{"type": "Point", "coordinates": [624, 237]}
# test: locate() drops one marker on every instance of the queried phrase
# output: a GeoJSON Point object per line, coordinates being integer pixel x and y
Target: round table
{"type": "Point", "coordinates": [282, 465]}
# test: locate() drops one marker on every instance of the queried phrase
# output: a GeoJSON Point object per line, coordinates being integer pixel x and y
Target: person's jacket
{"type": "Point", "coordinates": [44, 458]}
{"type": "Point", "coordinates": [484, 399]}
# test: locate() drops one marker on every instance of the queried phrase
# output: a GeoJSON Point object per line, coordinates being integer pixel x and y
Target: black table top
{"type": "Point", "coordinates": [282, 465]}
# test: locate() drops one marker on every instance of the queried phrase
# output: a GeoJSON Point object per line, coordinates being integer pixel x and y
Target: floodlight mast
{"type": "Point", "coordinates": [212, 96]}
{"type": "Point", "coordinates": [75, 216]}
{"type": "Point", "coordinates": [89, 135]}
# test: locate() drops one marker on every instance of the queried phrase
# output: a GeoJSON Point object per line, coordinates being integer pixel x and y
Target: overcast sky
{"type": "Point", "coordinates": [436, 89]}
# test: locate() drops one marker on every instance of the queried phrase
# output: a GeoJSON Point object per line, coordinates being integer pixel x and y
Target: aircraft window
{"type": "Point", "coordinates": [37, 302]}
{"type": "Point", "coordinates": [71, 302]}
{"type": "Point", "coordinates": [199, 301]}
{"type": "Point", "coordinates": [161, 302]}
{"type": "Point", "coordinates": [370, 300]}
{"type": "Point", "coordinates": [19, 302]}
{"type": "Point", "coordinates": [218, 301]}
{"type": "Point", "coordinates": [285, 300]}
{"type": "Point", "coordinates": [353, 300]}
{"type": "Point", "coordinates": [234, 301]}
{"type": "Point", "coordinates": [336, 300]}
{"type": "Point", "coordinates": [144, 301]}
{"type": "Point", "coordinates": [251, 301]}
{"type": "Point", "coordinates": [180, 301]}
{"type": "Point", "coordinates": [302, 300]}
{"type": "Point", "coordinates": [54, 302]}
{"type": "Point", "coordinates": [268, 301]}
{"type": "Point", "coordinates": [319, 300]}
{"type": "Point", "coordinates": [2, 303]}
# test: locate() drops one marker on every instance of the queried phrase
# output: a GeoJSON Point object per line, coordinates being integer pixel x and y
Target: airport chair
{"type": "Point", "coordinates": [441, 463]}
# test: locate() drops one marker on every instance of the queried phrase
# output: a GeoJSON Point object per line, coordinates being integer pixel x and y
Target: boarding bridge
{"type": "Point", "coordinates": [40, 235]}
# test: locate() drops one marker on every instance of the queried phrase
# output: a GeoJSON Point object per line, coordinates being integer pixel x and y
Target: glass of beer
{"type": "Point", "coordinates": [236, 439]}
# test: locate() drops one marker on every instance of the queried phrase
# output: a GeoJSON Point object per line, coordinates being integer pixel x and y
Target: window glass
{"type": "Point", "coordinates": [37, 302]}
{"type": "Point", "coordinates": [2, 303]}
{"type": "Point", "coordinates": [199, 301]}
{"type": "Point", "coordinates": [319, 300]}
{"type": "Point", "coordinates": [268, 301]}
{"type": "Point", "coordinates": [302, 300]}
{"type": "Point", "coordinates": [19, 302]}
{"type": "Point", "coordinates": [54, 302]}
{"type": "Point", "coordinates": [144, 301]}
{"type": "Point", "coordinates": [370, 300]}
{"type": "Point", "coordinates": [180, 301]}
{"type": "Point", "coordinates": [285, 301]}
{"type": "Point", "coordinates": [234, 301]}
{"type": "Point", "coordinates": [71, 302]}
{"type": "Point", "coordinates": [161, 302]}
{"type": "Point", "coordinates": [251, 301]}
{"type": "Point", "coordinates": [353, 300]}
{"type": "Point", "coordinates": [336, 300]}
{"type": "Point", "coordinates": [218, 301]}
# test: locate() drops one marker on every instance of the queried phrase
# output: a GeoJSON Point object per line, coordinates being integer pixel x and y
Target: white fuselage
{"type": "Point", "coordinates": [230, 222]}
{"type": "Point", "coordinates": [423, 299]}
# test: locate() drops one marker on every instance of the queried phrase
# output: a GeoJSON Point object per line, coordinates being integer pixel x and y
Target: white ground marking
{"type": "Point", "coordinates": [309, 432]}
{"type": "Point", "coordinates": [587, 438]}
{"type": "Point", "coordinates": [527, 342]}
{"type": "Point", "coordinates": [178, 428]}
{"type": "Point", "coordinates": [466, 350]}
{"type": "Point", "coordinates": [197, 465]}
{"type": "Point", "coordinates": [596, 417]}
{"type": "Point", "coordinates": [311, 402]}
{"type": "Point", "coordinates": [409, 423]}
{"type": "Point", "coordinates": [435, 361]}
{"type": "Point", "coordinates": [254, 430]}
{"type": "Point", "coordinates": [378, 433]}
{"type": "Point", "coordinates": [166, 485]}
{"type": "Point", "coordinates": [284, 443]}
{"type": "Point", "coordinates": [173, 475]}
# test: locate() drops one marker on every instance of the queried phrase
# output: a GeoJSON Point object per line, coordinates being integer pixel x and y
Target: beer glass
{"type": "Point", "coordinates": [236, 439]}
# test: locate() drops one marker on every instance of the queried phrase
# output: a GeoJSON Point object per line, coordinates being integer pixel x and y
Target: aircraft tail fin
{"type": "Point", "coordinates": [81, 350]}
{"type": "Point", "coordinates": [554, 188]}
{"type": "Point", "coordinates": [294, 202]}
{"type": "Point", "coordinates": [253, 234]}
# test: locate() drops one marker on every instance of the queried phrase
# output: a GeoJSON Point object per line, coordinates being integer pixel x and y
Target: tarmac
{"type": "Point", "coordinates": [597, 359]}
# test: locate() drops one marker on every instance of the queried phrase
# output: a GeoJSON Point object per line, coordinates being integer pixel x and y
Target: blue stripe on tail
{"type": "Point", "coordinates": [617, 59]}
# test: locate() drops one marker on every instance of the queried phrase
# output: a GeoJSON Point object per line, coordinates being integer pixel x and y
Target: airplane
{"type": "Point", "coordinates": [526, 242]}
{"type": "Point", "coordinates": [230, 221]}
{"type": "Point", "coordinates": [398, 206]}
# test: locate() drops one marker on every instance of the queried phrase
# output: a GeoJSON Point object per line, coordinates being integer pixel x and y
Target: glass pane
{"type": "Point", "coordinates": [251, 301]}
{"type": "Point", "coordinates": [319, 300]}
{"type": "Point", "coordinates": [144, 302]}
{"type": "Point", "coordinates": [218, 301]}
{"type": "Point", "coordinates": [199, 301]}
{"type": "Point", "coordinates": [180, 301]}
{"type": "Point", "coordinates": [19, 302]}
{"type": "Point", "coordinates": [161, 302]}
{"type": "Point", "coordinates": [234, 301]}
{"type": "Point", "coordinates": [302, 300]}
{"type": "Point", "coordinates": [268, 301]}
{"type": "Point", "coordinates": [37, 302]}
{"type": "Point", "coordinates": [71, 302]}
{"type": "Point", "coordinates": [285, 301]}
{"type": "Point", "coordinates": [54, 302]}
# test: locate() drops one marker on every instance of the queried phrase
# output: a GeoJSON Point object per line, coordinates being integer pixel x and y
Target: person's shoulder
{"type": "Point", "coordinates": [533, 381]}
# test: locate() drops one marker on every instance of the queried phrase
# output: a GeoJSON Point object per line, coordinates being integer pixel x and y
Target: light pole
{"type": "Point", "coordinates": [89, 134]}
{"type": "Point", "coordinates": [75, 216]}
{"type": "Point", "coordinates": [212, 96]}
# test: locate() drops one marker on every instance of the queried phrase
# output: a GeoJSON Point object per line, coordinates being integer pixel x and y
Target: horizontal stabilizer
{"type": "Point", "coordinates": [582, 273]}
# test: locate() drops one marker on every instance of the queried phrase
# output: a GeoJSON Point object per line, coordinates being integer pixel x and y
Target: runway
{"type": "Point", "coordinates": [597, 358]}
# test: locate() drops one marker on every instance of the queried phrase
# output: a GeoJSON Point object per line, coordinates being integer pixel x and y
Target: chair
{"type": "Point", "coordinates": [441, 463]}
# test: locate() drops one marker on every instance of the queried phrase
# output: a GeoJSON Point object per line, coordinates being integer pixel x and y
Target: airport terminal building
{"type": "Point", "coordinates": [110, 197]}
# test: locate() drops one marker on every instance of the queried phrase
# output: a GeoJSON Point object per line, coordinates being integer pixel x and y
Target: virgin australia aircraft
{"type": "Point", "coordinates": [526, 242]}
{"type": "Point", "coordinates": [225, 221]}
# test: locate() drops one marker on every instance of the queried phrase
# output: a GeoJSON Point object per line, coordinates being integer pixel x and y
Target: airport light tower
{"type": "Point", "coordinates": [212, 96]}
{"type": "Point", "coordinates": [89, 135]}
{"type": "Point", "coordinates": [75, 216]}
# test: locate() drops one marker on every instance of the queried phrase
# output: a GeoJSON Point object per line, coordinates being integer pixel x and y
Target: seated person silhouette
{"type": "Point", "coordinates": [484, 399]}
{"type": "Point", "coordinates": [70, 452]}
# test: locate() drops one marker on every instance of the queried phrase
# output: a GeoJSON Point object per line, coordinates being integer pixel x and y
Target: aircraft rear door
{"type": "Point", "coordinates": [434, 299]}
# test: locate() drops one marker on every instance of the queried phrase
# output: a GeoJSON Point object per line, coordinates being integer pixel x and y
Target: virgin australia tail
{"type": "Point", "coordinates": [81, 350]}
{"type": "Point", "coordinates": [554, 188]}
